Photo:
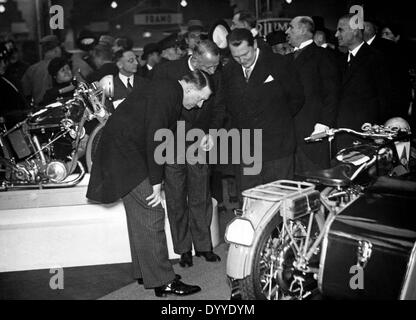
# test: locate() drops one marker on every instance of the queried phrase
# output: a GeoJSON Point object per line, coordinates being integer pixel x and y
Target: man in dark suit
{"type": "Point", "coordinates": [13, 106]}
{"type": "Point", "coordinates": [365, 90]}
{"type": "Point", "coordinates": [188, 195]}
{"type": "Point", "coordinates": [397, 66]}
{"type": "Point", "coordinates": [318, 72]}
{"type": "Point", "coordinates": [125, 167]}
{"type": "Point", "coordinates": [126, 79]}
{"type": "Point", "coordinates": [151, 56]}
{"type": "Point", "coordinates": [102, 56]}
{"type": "Point", "coordinates": [170, 49]}
{"type": "Point", "coordinates": [261, 91]}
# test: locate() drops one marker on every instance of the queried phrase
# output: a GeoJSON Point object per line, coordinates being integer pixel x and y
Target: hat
{"type": "Point", "coordinates": [86, 40]}
{"type": "Point", "coordinates": [150, 48]}
{"type": "Point", "coordinates": [168, 42]}
{"type": "Point", "coordinates": [194, 25]}
{"type": "Point", "coordinates": [219, 32]}
{"type": "Point", "coordinates": [276, 37]}
{"type": "Point", "coordinates": [49, 42]}
{"type": "Point", "coordinates": [123, 43]}
{"type": "Point", "coordinates": [55, 65]}
{"type": "Point", "coordinates": [106, 40]}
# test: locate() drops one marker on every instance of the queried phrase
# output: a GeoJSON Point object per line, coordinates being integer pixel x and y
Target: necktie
{"type": "Point", "coordinates": [350, 58]}
{"type": "Point", "coordinates": [247, 73]}
{"type": "Point", "coordinates": [129, 86]}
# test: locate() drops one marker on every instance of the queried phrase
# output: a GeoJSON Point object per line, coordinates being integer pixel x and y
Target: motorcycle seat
{"type": "Point", "coordinates": [339, 176]}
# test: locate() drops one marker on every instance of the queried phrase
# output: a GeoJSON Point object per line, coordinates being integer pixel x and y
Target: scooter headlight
{"type": "Point", "coordinates": [240, 231]}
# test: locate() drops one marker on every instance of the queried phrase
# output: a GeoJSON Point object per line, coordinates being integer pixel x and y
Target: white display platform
{"type": "Point", "coordinates": [43, 229]}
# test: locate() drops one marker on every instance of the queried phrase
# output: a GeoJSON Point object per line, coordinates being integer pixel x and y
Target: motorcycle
{"type": "Point", "coordinates": [276, 239]}
{"type": "Point", "coordinates": [44, 150]}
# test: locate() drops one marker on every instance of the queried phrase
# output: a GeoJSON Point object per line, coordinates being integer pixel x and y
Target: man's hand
{"type": "Point", "coordinates": [155, 198]}
{"type": "Point", "coordinates": [319, 127]}
{"type": "Point", "coordinates": [207, 143]}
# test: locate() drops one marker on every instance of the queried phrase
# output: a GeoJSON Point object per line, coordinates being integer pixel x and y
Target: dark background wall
{"type": "Point", "coordinates": [120, 21]}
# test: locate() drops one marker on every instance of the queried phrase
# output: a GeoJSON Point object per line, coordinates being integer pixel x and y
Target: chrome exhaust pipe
{"type": "Point", "coordinates": [41, 186]}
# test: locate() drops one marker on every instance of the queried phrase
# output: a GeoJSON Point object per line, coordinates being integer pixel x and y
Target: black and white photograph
{"type": "Point", "coordinates": [205, 155]}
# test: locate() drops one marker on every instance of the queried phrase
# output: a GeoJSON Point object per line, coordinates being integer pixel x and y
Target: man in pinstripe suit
{"type": "Point", "coordinates": [124, 167]}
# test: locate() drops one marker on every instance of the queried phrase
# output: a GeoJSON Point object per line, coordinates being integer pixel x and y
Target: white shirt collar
{"type": "Point", "coordinates": [254, 63]}
{"type": "Point", "coordinates": [357, 48]}
{"type": "Point", "coordinates": [254, 32]}
{"type": "Point", "coordinates": [304, 44]}
{"type": "Point", "coordinates": [123, 79]}
{"type": "Point", "coordinates": [190, 64]}
{"type": "Point", "coordinates": [370, 41]}
{"type": "Point", "coordinates": [149, 67]}
{"type": "Point", "coordinates": [325, 45]}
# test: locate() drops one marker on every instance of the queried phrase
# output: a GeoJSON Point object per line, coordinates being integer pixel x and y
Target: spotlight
{"type": "Point", "coordinates": [288, 1]}
{"type": "Point", "coordinates": [114, 4]}
{"type": "Point", "coordinates": [184, 3]}
{"type": "Point", "coordinates": [2, 8]}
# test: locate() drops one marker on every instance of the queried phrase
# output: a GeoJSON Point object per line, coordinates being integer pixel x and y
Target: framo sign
{"type": "Point", "coordinates": [266, 26]}
{"type": "Point", "coordinates": [158, 18]}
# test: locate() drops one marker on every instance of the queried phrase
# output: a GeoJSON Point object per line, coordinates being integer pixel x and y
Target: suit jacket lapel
{"type": "Point", "coordinates": [304, 54]}
{"type": "Point", "coordinates": [119, 87]}
{"type": "Point", "coordinates": [260, 72]}
{"type": "Point", "coordinates": [137, 80]}
{"type": "Point", "coordinates": [356, 63]}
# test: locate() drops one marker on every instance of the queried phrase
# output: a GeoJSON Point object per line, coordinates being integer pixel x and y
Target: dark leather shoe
{"type": "Point", "coordinates": [176, 287]}
{"type": "Point", "coordinates": [186, 260]}
{"type": "Point", "coordinates": [208, 255]}
{"type": "Point", "coordinates": [140, 280]}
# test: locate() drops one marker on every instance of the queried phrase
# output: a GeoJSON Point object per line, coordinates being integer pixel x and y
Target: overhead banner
{"type": "Point", "coordinates": [266, 26]}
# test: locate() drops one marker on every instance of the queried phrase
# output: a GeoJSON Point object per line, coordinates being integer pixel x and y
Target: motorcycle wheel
{"type": "Point", "coordinates": [92, 144]}
{"type": "Point", "coordinates": [273, 273]}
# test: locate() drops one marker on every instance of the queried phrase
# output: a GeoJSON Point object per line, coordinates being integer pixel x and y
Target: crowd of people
{"type": "Point", "coordinates": [289, 85]}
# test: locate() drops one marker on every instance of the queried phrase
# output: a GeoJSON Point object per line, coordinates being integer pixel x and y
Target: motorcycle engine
{"type": "Point", "coordinates": [56, 171]}
{"type": "Point", "coordinates": [27, 171]}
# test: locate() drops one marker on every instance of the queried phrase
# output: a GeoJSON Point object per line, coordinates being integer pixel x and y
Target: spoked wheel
{"type": "Point", "coordinates": [92, 144]}
{"type": "Point", "coordinates": [274, 275]}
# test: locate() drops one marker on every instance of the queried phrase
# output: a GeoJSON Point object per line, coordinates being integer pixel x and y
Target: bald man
{"type": "Point", "coordinates": [319, 74]}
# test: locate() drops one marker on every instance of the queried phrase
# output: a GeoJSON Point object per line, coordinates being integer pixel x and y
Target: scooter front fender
{"type": "Point", "coordinates": [240, 258]}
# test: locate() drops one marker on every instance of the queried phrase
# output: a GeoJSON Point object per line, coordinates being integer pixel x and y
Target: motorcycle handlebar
{"type": "Point", "coordinates": [317, 136]}
{"type": "Point", "coordinates": [382, 133]}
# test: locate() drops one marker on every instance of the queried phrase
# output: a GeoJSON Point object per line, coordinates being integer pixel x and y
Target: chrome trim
{"type": "Point", "coordinates": [291, 188]}
{"type": "Point", "coordinates": [39, 149]}
{"type": "Point", "coordinates": [364, 252]}
{"type": "Point", "coordinates": [322, 262]}
{"type": "Point", "coordinates": [410, 275]}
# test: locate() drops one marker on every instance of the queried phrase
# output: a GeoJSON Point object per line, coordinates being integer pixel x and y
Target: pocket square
{"type": "Point", "coordinates": [269, 79]}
